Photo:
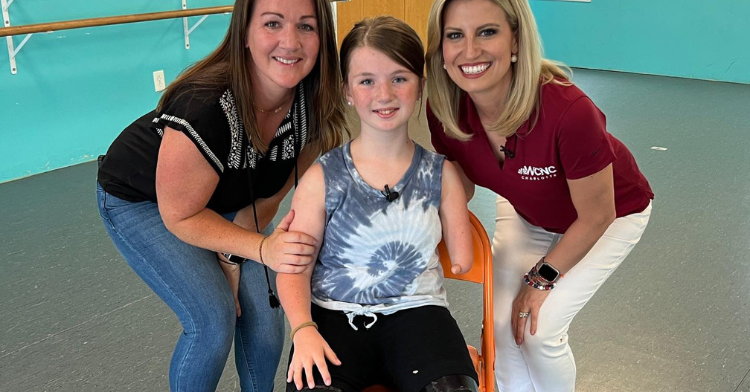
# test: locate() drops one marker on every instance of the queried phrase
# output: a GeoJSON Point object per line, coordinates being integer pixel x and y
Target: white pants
{"type": "Point", "coordinates": [544, 362]}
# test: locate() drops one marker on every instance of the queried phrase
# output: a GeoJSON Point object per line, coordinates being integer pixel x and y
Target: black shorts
{"type": "Point", "coordinates": [406, 350]}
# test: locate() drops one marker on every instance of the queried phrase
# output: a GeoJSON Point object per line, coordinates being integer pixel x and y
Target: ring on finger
{"type": "Point", "coordinates": [523, 314]}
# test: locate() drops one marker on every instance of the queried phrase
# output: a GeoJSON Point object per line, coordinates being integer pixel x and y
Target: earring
{"type": "Point", "coordinates": [513, 58]}
{"type": "Point", "coordinates": [444, 66]}
{"type": "Point", "coordinates": [349, 103]}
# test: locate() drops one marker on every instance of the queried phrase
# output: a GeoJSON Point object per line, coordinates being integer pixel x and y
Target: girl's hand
{"type": "Point", "coordinates": [528, 300]}
{"type": "Point", "coordinates": [289, 252]}
{"type": "Point", "coordinates": [232, 273]}
{"type": "Point", "coordinates": [310, 349]}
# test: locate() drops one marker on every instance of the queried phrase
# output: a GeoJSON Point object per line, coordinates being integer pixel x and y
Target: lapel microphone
{"type": "Point", "coordinates": [508, 152]}
{"type": "Point", "coordinates": [390, 196]}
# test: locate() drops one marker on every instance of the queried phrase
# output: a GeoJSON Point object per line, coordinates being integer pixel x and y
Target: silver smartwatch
{"type": "Point", "coordinates": [548, 272]}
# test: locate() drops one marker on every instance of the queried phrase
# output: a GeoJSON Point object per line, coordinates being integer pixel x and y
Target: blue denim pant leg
{"type": "Point", "coordinates": [189, 280]}
{"type": "Point", "coordinates": [259, 336]}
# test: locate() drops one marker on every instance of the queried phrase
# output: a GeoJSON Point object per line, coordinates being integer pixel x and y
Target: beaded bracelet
{"type": "Point", "coordinates": [536, 285]}
{"type": "Point", "coordinates": [533, 279]}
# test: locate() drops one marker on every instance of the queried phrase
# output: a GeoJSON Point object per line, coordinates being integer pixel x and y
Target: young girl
{"type": "Point", "coordinates": [377, 208]}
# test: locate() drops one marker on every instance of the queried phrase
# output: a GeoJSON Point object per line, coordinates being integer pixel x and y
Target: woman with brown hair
{"type": "Point", "coordinates": [571, 199]}
{"type": "Point", "coordinates": [205, 173]}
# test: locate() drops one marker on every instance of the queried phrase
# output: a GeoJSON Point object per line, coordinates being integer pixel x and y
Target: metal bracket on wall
{"type": "Point", "coordinates": [185, 26]}
{"type": "Point", "coordinates": [12, 51]}
{"type": "Point", "coordinates": [7, 31]}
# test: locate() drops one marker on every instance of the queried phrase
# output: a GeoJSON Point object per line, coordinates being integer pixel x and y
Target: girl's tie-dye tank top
{"type": "Point", "coordinates": [379, 256]}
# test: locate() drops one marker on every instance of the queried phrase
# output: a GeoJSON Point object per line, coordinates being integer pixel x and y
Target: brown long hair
{"type": "Point", "coordinates": [388, 35]}
{"type": "Point", "coordinates": [229, 65]}
{"type": "Point", "coordinates": [529, 72]}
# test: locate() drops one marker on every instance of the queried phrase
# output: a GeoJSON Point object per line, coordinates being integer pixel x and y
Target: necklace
{"type": "Point", "coordinates": [274, 111]}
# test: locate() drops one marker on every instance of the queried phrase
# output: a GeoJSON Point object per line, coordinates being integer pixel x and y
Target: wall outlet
{"type": "Point", "coordinates": [159, 84]}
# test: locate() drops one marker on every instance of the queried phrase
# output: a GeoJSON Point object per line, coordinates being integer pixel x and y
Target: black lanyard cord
{"type": "Point", "coordinates": [273, 301]}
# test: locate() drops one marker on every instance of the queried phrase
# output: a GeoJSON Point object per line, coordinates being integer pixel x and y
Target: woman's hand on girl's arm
{"type": "Point", "coordinates": [268, 207]}
{"type": "Point", "coordinates": [183, 195]}
{"type": "Point", "coordinates": [266, 210]}
{"type": "Point", "coordinates": [454, 217]}
{"type": "Point", "coordinates": [288, 251]}
{"type": "Point", "coordinates": [310, 349]}
{"type": "Point", "coordinates": [594, 201]}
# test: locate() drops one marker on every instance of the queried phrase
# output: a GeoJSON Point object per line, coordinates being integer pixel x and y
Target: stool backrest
{"type": "Point", "coordinates": [481, 272]}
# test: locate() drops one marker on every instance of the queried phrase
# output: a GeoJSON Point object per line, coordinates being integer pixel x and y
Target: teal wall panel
{"type": "Point", "coordinates": [75, 90]}
{"type": "Point", "coordinates": [696, 39]}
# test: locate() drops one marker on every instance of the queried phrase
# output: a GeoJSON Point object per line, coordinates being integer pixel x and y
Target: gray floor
{"type": "Point", "coordinates": [674, 317]}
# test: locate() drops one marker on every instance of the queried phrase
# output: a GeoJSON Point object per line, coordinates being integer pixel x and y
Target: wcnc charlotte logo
{"type": "Point", "coordinates": [532, 173]}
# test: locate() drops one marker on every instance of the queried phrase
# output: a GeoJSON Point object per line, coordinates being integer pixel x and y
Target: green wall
{"type": "Point", "coordinates": [698, 39]}
{"type": "Point", "coordinates": [75, 90]}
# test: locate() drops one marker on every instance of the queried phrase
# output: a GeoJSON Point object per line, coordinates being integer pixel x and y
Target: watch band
{"type": "Point", "coordinates": [234, 258]}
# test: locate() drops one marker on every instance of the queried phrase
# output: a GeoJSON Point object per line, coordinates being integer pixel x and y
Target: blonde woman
{"type": "Point", "coordinates": [572, 202]}
{"type": "Point", "coordinates": [205, 173]}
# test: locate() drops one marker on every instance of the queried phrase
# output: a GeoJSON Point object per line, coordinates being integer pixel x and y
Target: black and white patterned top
{"type": "Point", "coordinates": [211, 121]}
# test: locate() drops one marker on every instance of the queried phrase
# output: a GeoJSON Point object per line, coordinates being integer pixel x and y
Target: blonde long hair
{"type": "Point", "coordinates": [229, 64]}
{"type": "Point", "coordinates": [528, 73]}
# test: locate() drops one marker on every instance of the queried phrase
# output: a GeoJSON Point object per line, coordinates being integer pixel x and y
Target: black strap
{"type": "Point", "coordinates": [273, 301]}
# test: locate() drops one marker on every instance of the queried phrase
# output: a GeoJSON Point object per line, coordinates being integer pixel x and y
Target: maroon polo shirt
{"type": "Point", "coordinates": [569, 141]}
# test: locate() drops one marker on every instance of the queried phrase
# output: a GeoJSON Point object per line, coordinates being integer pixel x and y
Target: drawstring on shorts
{"type": "Point", "coordinates": [364, 311]}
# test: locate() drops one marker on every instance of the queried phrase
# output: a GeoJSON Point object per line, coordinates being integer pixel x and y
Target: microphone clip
{"type": "Point", "coordinates": [508, 152]}
{"type": "Point", "coordinates": [390, 195]}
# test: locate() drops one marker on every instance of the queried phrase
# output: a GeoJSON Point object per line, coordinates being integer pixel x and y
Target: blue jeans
{"type": "Point", "coordinates": [190, 281]}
